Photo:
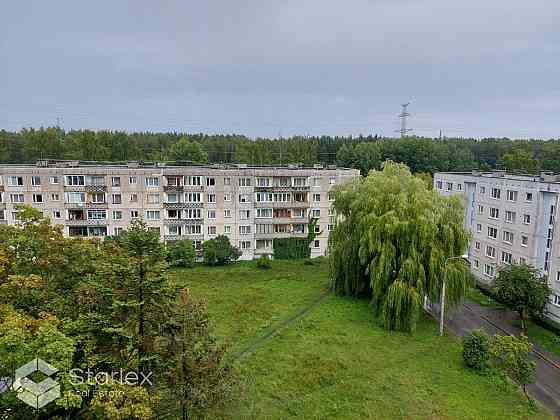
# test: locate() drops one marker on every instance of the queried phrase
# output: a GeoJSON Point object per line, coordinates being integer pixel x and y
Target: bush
{"type": "Point", "coordinates": [219, 251]}
{"type": "Point", "coordinates": [181, 254]}
{"type": "Point", "coordinates": [476, 350]}
{"type": "Point", "coordinates": [263, 262]}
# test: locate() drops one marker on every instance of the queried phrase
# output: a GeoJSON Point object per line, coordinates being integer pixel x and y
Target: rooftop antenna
{"type": "Point", "coordinates": [403, 116]}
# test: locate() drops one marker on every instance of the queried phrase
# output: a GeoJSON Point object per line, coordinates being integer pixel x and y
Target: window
{"type": "Point", "coordinates": [529, 197]}
{"type": "Point", "coordinates": [37, 198]}
{"type": "Point", "coordinates": [132, 180]}
{"type": "Point", "coordinates": [476, 264]}
{"type": "Point", "coordinates": [244, 214]}
{"type": "Point", "coordinates": [57, 214]}
{"type": "Point", "coordinates": [244, 182]}
{"type": "Point", "coordinates": [492, 232]}
{"type": "Point", "coordinates": [227, 213]}
{"type": "Point", "coordinates": [316, 197]}
{"type": "Point", "coordinates": [331, 196]}
{"type": "Point", "coordinates": [227, 181]}
{"type": "Point", "coordinates": [211, 214]}
{"type": "Point", "coordinates": [74, 180]}
{"type": "Point", "coordinates": [558, 276]}
{"type": "Point", "coordinates": [243, 198]}
{"type": "Point", "coordinates": [282, 197]}
{"type": "Point", "coordinates": [172, 198]}
{"type": "Point", "coordinates": [317, 182]}
{"type": "Point", "coordinates": [298, 213]}
{"type": "Point", "coordinates": [508, 237]}
{"type": "Point", "coordinates": [191, 214]}
{"type": "Point", "coordinates": [97, 214]}
{"type": "Point", "coordinates": [193, 180]}
{"type": "Point", "coordinates": [482, 189]}
{"type": "Point", "coordinates": [316, 213]}
{"type": "Point", "coordinates": [478, 227]}
{"type": "Point", "coordinates": [244, 230]}
{"type": "Point", "coordinates": [510, 216]}
{"type": "Point", "coordinates": [134, 198]}
{"type": "Point", "coordinates": [263, 182]}
{"type": "Point", "coordinates": [480, 209]}
{"type": "Point", "coordinates": [134, 214]}
{"type": "Point", "coordinates": [15, 181]}
{"type": "Point", "coordinates": [556, 300]}
{"type": "Point", "coordinates": [264, 213]}
{"type": "Point", "coordinates": [260, 228]}
{"type": "Point", "coordinates": [210, 182]}
{"type": "Point", "coordinates": [316, 243]}
{"type": "Point", "coordinates": [54, 180]}
{"type": "Point", "coordinates": [317, 228]}
{"type": "Point", "coordinates": [527, 219]}
{"type": "Point", "coordinates": [117, 199]}
{"type": "Point", "coordinates": [494, 213]}
{"type": "Point", "coordinates": [211, 230]}
{"type": "Point", "coordinates": [55, 197]}
{"type": "Point", "coordinates": [496, 193]}
{"type": "Point", "coordinates": [227, 197]}
{"type": "Point", "coordinates": [459, 187]}
{"type": "Point", "coordinates": [35, 181]}
{"type": "Point", "coordinates": [511, 195]}
{"type": "Point", "coordinates": [196, 197]}
{"type": "Point", "coordinates": [75, 197]}
{"type": "Point", "coordinates": [439, 185]}
{"type": "Point", "coordinates": [506, 257]}
{"type": "Point", "coordinates": [153, 198]}
{"type": "Point", "coordinates": [245, 245]}
{"type": "Point", "coordinates": [299, 181]}
{"type": "Point", "coordinates": [117, 215]}
{"type": "Point", "coordinates": [264, 197]}
{"type": "Point", "coordinates": [449, 186]}
{"type": "Point", "coordinates": [116, 181]}
{"type": "Point", "coordinates": [488, 270]}
{"type": "Point", "coordinates": [522, 260]}
{"type": "Point", "coordinates": [264, 244]}
{"type": "Point", "coordinates": [152, 181]}
{"type": "Point", "coordinates": [97, 198]}
{"type": "Point", "coordinates": [227, 229]}
{"type": "Point", "coordinates": [490, 251]}
{"type": "Point", "coordinates": [152, 214]}
{"type": "Point", "coordinates": [211, 198]}
{"type": "Point", "coordinates": [524, 240]}
{"type": "Point", "coordinates": [96, 180]}
{"type": "Point", "coordinates": [332, 180]}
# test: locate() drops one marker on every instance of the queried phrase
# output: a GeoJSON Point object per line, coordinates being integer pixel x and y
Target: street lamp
{"type": "Point", "coordinates": [464, 258]}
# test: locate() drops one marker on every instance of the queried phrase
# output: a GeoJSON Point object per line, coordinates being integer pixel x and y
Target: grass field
{"type": "Point", "coordinates": [336, 362]}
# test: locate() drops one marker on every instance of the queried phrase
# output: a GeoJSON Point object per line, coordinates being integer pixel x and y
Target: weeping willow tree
{"type": "Point", "coordinates": [391, 241]}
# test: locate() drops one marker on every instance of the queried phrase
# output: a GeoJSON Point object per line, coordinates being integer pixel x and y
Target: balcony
{"type": "Point", "coordinates": [95, 188]}
{"type": "Point", "coordinates": [193, 188]}
{"type": "Point", "coordinates": [74, 205]}
{"type": "Point", "coordinates": [173, 188]}
{"type": "Point", "coordinates": [176, 222]}
{"type": "Point", "coordinates": [177, 206]}
{"type": "Point", "coordinates": [104, 205]}
{"type": "Point", "coordinates": [2, 206]}
{"type": "Point", "coordinates": [86, 222]}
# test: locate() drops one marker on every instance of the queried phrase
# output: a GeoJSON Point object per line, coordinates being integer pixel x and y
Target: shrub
{"type": "Point", "coordinates": [263, 262]}
{"type": "Point", "coordinates": [181, 254]}
{"type": "Point", "coordinates": [219, 251]}
{"type": "Point", "coordinates": [476, 350]}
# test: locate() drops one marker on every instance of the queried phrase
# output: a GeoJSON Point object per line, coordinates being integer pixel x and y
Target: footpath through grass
{"type": "Point", "coordinates": [336, 362]}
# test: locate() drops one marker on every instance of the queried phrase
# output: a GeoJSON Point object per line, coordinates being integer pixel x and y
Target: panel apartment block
{"type": "Point", "coordinates": [251, 205]}
{"type": "Point", "coordinates": [512, 219]}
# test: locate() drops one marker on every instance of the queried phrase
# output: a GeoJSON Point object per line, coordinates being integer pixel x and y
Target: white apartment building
{"type": "Point", "coordinates": [512, 219]}
{"type": "Point", "coordinates": [251, 205]}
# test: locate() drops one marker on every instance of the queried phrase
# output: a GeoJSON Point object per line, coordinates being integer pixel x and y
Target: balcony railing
{"type": "Point", "coordinates": [86, 222]}
{"type": "Point", "coordinates": [173, 188]}
{"type": "Point", "coordinates": [95, 188]}
{"type": "Point", "coordinates": [177, 206]}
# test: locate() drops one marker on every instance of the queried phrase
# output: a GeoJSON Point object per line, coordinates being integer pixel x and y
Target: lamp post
{"type": "Point", "coordinates": [463, 257]}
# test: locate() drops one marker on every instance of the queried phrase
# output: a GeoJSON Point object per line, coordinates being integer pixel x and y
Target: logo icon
{"type": "Point", "coordinates": [36, 395]}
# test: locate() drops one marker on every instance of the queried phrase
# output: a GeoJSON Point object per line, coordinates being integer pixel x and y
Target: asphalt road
{"type": "Point", "coordinates": [546, 388]}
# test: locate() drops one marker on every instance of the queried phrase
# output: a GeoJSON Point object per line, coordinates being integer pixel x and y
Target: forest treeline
{"type": "Point", "coordinates": [363, 152]}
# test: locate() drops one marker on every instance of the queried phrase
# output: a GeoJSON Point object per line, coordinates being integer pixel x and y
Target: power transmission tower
{"type": "Point", "coordinates": [403, 116]}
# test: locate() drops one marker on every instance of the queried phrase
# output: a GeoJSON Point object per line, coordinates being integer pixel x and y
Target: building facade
{"type": "Point", "coordinates": [512, 219]}
{"type": "Point", "coordinates": [251, 205]}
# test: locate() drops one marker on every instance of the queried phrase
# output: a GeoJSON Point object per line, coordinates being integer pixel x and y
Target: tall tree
{"type": "Point", "coordinates": [188, 150]}
{"type": "Point", "coordinates": [523, 289]}
{"type": "Point", "coordinates": [391, 241]}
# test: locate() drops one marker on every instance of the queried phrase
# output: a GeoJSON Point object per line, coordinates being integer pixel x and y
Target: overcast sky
{"type": "Point", "coordinates": [263, 68]}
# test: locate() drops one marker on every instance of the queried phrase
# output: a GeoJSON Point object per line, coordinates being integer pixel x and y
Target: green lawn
{"type": "Point", "coordinates": [336, 362]}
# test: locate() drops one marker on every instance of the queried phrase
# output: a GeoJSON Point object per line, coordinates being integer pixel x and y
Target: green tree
{"type": "Point", "coordinates": [391, 243]}
{"type": "Point", "coordinates": [199, 376]}
{"type": "Point", "coordinates": [522, 289]}
{"type": "Point", "coordinates": [519, 160]}
{"type": "Point", "coordinates": [476, 350]}
{"type": "Point", "coordinates": [512, 355]}
{"type": "Point", "coordinates": [188, 150]}
{"type": "Point", "coordinates": [219, 251]}
{"type": "Point", "coordinates": [181, 254]}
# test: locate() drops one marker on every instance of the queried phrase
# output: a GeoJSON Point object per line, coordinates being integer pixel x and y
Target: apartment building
{"type": "Point", "coordinates": [251, 205]}
{"type": "Point", "coordinates": [512, 219]}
